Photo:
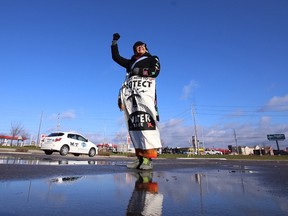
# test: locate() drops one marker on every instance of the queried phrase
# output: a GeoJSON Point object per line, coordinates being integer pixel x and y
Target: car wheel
{"type": "Point", "coordinates": [48, 152]}
{"type": "Point", "coordinates": [92, 152]}
{"type": "Point", "coordinates": [64, 150]}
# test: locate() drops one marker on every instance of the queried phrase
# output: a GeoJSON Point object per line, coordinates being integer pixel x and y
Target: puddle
{"type": "Point", "coordinates": [177, 192]}
{"type": "Point", "coordinates": [49, 161]}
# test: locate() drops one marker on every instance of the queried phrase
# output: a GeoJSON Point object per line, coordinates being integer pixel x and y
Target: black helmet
{"type": "Point", "coordinates": [139, 43]}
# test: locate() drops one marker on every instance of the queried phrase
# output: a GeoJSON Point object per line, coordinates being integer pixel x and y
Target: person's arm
{"type": "Point", "coordinates": [115, 52]}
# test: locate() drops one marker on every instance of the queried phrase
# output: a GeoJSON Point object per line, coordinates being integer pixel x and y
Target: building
{"type": "Point", "coordinates": [6, 140]}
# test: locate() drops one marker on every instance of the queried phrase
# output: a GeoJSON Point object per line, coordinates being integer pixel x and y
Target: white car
{"type": "Point", "coordinates": [213, 152]}
{"type": "Point", "coordinates": [68, 142]}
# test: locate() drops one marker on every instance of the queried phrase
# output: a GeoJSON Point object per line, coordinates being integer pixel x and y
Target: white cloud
{"type": "Point", "coordinates": [175, 134]}
{"type": "Point", "coordinates": [69, 114]}
{"type": "Point", "coordinates": [276, 104]}
{"type": "Point", "coordinates": [188, 89]}
{"type": "Point", "coordinates": [265, 121]}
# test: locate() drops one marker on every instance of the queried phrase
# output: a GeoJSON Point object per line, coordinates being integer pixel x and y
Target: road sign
{"type": "Point", "coordinates": [273, 137]}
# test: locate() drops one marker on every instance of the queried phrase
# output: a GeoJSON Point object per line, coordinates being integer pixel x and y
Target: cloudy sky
{"type": "Point", "coordinates": [224, 67]}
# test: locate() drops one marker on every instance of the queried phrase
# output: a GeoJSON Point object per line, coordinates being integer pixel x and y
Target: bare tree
{"type": "Point", "coordinates": [16, 130]}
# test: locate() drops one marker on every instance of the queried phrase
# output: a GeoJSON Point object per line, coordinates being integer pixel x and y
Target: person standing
{"type": "Point", "coordinates": [138, 100]}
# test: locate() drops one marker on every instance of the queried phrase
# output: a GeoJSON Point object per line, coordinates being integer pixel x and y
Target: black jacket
{"type": "Point", "coordinates": [149, 67]}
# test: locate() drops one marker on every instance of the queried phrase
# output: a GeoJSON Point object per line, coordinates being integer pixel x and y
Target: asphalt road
{"type": "Point", "coordinates": [235, 184]}
{"type": "Point", "coordinates": [273, 173]}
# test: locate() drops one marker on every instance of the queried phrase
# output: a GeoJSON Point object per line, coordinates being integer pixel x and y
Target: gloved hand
{"type": "Point", "coordinates": [116, 36]}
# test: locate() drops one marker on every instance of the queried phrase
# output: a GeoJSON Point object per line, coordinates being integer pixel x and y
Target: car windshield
{"type": "Point", "coordinates": [55, 134]}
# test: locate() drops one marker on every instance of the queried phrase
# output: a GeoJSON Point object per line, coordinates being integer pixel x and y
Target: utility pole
{"type": "Point", "coordinates": [195, 131]}
{"type": "Point", "coordinates": [39, 129]}
{"type": "Point", "coordinates": [235, 137]}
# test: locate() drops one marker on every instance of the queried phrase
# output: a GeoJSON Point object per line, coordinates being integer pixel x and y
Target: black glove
{"type": "Point", "coordinates": [116, 36]}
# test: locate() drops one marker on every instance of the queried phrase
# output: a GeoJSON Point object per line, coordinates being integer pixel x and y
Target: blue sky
{"type": "Point", "coordinates": [225, 59]}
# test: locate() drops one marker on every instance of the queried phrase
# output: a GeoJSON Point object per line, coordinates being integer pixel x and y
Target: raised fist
{"type": "Point", "coordinates": [116, 36]}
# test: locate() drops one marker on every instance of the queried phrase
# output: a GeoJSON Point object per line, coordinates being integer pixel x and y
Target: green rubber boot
{"type": "Point", "coordinates": [146, 164]}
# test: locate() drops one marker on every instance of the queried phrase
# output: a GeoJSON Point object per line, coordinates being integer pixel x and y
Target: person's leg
{"type": "Point", "coordinates": [148, 154]}
{"type": "Point", "coordinates": [139, 160]}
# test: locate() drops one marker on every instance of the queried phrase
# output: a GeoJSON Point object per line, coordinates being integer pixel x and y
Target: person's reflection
{"type": "Point", "coordinates": [145, 199]}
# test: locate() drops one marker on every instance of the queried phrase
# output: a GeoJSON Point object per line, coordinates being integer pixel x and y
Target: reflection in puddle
{"type": "Point", "coordinates": [61, 180]}
{"type": "Point", "coordinates": [181, 192]}
{"type": "Point", "coordinates": [48, 161]}
{"type": "Point", "coordinates": [145, 199]}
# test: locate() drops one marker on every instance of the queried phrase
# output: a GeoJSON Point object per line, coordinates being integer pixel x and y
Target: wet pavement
{"type": "Point", "coordinates": [55, 185]}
